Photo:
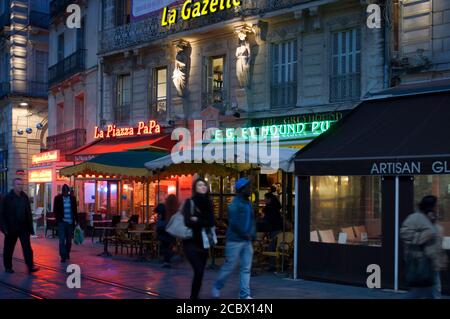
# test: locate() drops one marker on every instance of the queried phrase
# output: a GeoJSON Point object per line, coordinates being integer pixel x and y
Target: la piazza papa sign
{"type": "Point", "coordinates": [113, 131]}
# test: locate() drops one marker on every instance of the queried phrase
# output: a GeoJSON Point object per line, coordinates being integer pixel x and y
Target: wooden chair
{"type": "Point", "coordinates": [327, 236]}
{"type": "Point", "coordinates": [314, 236]}
{"type": "Point", "coordinates": [284, 246]}
{"type": "Point", "coordinates": [96, 221]}
{"type": "Point", "coordinates": [359, 230]}
{"type": "Point", "coordinates": [350, 234]}
{"type": "Point", "coordinates": [121, 238]}
{"type": "Point", "coordinates": [50, 223]}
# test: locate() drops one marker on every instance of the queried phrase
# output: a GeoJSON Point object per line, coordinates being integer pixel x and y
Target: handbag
{"type": "Point", "coordinates": [419, 269]}
{"type": "Point", "coordinates": [176, 226]}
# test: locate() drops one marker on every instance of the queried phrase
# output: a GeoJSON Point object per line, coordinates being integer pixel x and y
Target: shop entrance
{"type": "Point", "coordinates": [108, 197]}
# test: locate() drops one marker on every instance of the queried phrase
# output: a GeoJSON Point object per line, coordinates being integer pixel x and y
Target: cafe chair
{"type": "Point", "coordinates": [359, 231]}
{"type": "Point", "coordinates": [50, 223]}
{"type": "Point", "coordinates": [327, 236]}
{"type": "Point", "coordinates": [121, 238]}
{"type": "Point", "coordinates": [284, 246]}
{"type": "Point", "coordinates": [314, 236]}
{"type": "Point", "coordinates": [350, 234]}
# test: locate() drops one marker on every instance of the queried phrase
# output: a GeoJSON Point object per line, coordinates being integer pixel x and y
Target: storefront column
{"type": "Point", "coordinates": [147, 209]}
{"type": "Point", "coordinates": [396, 235]}
{"type": "Point", "coordinates": [296, 221]}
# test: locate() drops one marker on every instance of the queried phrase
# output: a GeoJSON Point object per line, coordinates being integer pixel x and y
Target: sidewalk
{"type": "Point", "coordinates": [119, 278]}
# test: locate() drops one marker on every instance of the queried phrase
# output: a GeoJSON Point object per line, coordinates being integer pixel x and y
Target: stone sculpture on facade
{"type": "Point", "coordinates": [180, 75]}
{"type": "Point", "coordinates": [243, 57]}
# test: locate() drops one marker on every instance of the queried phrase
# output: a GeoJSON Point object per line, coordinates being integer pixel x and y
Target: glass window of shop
{"type": "Point", "coordinates": [346, 210]}
{"type": "Point", "coordinates": [439, 186]}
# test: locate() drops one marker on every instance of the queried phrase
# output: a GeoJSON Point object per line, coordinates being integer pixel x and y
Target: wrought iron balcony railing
{"type": "Point", "coordinates": [150, 29]}
{"type": "Point", "coordinates": [68, 141]}
{"type": "Point", "coordinates": [71, 65]}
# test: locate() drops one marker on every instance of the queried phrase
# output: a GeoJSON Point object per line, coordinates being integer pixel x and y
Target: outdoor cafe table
{"type": "Point", "coordinates": [105, 252]}
{"type": "Point", "coordinates": [141, 243]}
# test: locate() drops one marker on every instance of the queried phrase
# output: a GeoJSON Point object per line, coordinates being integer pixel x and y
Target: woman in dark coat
{"type": "Point", "coordinates": [198, 215]}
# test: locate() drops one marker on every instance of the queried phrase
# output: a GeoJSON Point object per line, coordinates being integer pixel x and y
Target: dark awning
{"type": "Point", "coordinates": [401, 135]}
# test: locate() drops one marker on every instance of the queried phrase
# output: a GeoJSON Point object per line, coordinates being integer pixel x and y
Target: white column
{"type": "Point", "coordinates": [296, 220]}
{"type": "Point", "coordinates": [396, 252]}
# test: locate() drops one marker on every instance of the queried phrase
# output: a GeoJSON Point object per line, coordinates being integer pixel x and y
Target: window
{"type": "Point", "coordinates": [41, 66]}
{"type": "Point", "coordinates": [61, 47]}
{"type": "Point", "coordinates": [60, 118]}
{"type": "Point", "coordinates": [215, 81]}
{"type": "Point", "coordinates": [439, 186]}
{"type": "Point", "coordinates": [284, 74]}
{"type": "Point", "coordinates": [346, 66]}
{"type": "Point", "coordinates": [346, 210]}
{"type": "Point", "coordinates": [123, 99]}
{"type": "Point", "coordinates": [159, 105]}
{"type": "Point", "coordinates": [123, 12]}
{"type": "Point", "coordinates": [79, 112]}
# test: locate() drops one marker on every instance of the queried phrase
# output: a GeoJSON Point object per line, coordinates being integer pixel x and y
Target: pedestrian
{"type": "Point", "coordinates": [166, 240]}
{"type": "Point", "coordinates": [199, 216]}
{"type": "Point", "coordinates": [240, 235]}
{"type": "Point", "coordinates": [425, 257]}
{"type": "Point", "coordinates": [17, 223]}
{"type": "Point", "coordinates": [65, 208]}
{"type": "Point", "coordinates": [274, 223]}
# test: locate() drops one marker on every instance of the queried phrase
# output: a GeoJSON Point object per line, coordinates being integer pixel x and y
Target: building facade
{"type": "Point", "coordinates": [23, 86]}
{"type": "Point", "coordinates": [72, 94]}
{"type": "Point", "coordinates": [257, 61]}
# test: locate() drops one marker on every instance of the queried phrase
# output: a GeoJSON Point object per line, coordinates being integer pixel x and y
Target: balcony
{"type": "Point", "coordinates": [25, 88]}
{"type": "Point", "coordinates": [39, 19]}
{"type": "Point", "coordinates": [150, 29]}
{"type": "Point", "coordinates": [64, 69]}
{"type": "Point", "coordinates": [68, 141]}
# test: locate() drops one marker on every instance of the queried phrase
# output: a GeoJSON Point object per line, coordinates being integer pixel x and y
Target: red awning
{"type": "Point", "coordinates": [116, 145]}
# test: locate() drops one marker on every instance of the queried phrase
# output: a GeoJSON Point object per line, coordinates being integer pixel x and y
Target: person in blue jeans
{"type": "Point", "coordinates": [65, 208]}
{"type": "Point", "coordinates": [240, 236]}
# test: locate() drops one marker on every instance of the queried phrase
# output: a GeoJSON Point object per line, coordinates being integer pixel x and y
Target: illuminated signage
{"type": "Point", "coordinates": [40, 176]}
{"type": "Point", "coordinates": [194, 9]}
{"type": "Point", "coordinates": [47, 157]}
{"type": "Point", "coordinates": [294, 130]}
{"type": "Point", "coordinates": [112, 131]}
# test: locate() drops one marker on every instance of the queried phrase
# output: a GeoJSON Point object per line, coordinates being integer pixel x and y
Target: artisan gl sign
{"type": "Point", "coordinates": [410, 168]}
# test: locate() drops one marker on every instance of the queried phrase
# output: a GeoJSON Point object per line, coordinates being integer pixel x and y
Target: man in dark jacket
{"type": "Point", "coordinates": [17, 223]}
{"type": "Point", "coordinates": [65, 209]}
{"type": "Point", "coordinates": [239, 247]}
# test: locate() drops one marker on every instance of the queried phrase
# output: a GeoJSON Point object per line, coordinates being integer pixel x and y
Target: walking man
{"type": "Point", "coordinates": [16, 223]}
{"type": "Point", "coordinates": [239, 247]}
{"type": "Point", "coordinates": [65, 208]}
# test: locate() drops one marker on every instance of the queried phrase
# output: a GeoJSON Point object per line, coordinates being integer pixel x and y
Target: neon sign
{"type": "Point", "coordinates": [40, 176]}
{"type": "Point", "coordinates": [194, 9]}
{"type": "Point", "coordinates": [112, 131]}
{"type": "Point", "coordinates": [43, 158]}
{"type": "Point", "coordinates": [294, 130]}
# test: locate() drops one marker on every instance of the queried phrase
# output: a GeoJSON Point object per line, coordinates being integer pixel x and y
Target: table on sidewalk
{"type": "Point", "coordinates": [105, 252]}
{"type": "Point", "coordinates": [141, 241]}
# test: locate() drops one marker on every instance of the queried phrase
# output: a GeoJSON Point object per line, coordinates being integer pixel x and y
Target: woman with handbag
{"type": "Point", "coordinates": [423, 250]}
{"type": "Point", "coordinates": [198, 216]}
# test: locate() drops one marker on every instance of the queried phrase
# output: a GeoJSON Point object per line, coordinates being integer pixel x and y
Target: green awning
{"type": "Point", "coordinates": [123, 164]}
